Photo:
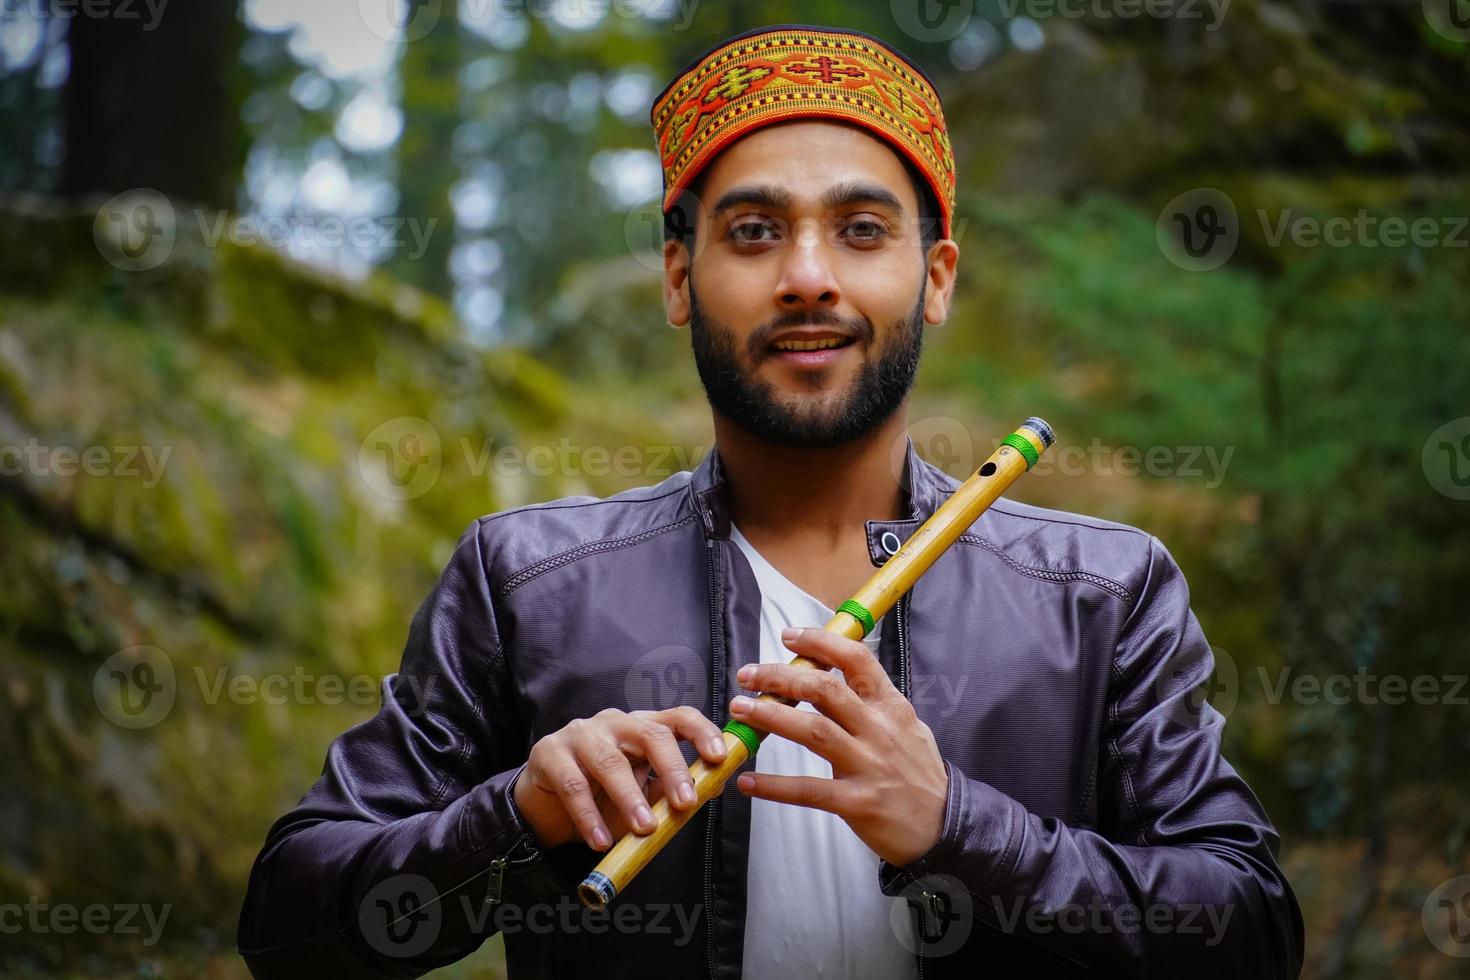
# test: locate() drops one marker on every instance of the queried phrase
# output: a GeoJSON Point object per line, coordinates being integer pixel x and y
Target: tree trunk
{"type": "Point", "coordinates": [151, 102]}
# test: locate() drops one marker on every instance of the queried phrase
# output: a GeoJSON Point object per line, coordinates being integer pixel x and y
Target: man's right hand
{"type": "Point", "coordinates": [590, 780]}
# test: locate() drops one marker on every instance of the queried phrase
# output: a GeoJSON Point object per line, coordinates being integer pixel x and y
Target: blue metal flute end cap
{"type": "Point", "coordinates": [1042, 430]}
{"type": "Point", "coordinates": [596, 891]}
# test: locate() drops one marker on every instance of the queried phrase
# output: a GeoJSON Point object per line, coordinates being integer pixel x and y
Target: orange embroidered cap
{"type": "Point", "coordinates": [791, 71]}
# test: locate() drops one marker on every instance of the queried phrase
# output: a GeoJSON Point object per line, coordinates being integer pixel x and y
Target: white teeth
{"type": "Point", "coordinates": [810, 344]}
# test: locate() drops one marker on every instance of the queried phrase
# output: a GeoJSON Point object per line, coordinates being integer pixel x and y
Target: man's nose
{"type": "Point", "coordinates": [807, 278]}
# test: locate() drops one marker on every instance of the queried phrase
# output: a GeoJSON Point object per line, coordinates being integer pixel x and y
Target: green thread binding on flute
{"type": "Point", "coordinates": [1023, 446]}
{"type": "Point", "coordinates": [858, 612]}
{"type": "Point", "coordinates": [746, 734]}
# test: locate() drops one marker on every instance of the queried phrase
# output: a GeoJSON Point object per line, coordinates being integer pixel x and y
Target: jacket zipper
{"type": "Point", "coordinates": [498, 866]}
{"type": "Point", "coordinates": [903, 649]}
{"type": "Point", "coordinates": [903, 688]}
{"type": "Point", "coordinates": [716, 694]}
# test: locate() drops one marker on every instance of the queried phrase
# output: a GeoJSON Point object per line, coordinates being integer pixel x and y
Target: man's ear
{"type": "Point", "coordinates": [676, 283]}
{"type": "Point", "coordinates": [944, 257]}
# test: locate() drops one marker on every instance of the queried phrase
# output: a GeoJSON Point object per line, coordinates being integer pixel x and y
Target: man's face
{"type": "Point", "coordinates": [806, 297]}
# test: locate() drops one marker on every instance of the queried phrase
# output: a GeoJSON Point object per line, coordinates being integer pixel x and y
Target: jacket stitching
{"type": "Point", "coordinates": [1051, 574]}
{"type": "Point", "coordinates": [566, 557]}
{"type": "Point", "coordinates": [553, 505]}
{"type": "Point", "coordinates": [1011, 855]}
{"type": "Point", "coordinates": [1113, 740]}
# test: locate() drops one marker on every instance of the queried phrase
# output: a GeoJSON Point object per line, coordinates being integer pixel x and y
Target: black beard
{"type": "Point", "coordinates": [875, 394]}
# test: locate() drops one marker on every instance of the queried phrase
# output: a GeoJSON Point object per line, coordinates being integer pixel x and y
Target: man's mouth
{"type": "Point", "coordinates": [811, 351]}
{"type": "Point", "coordinates": [825, 343]}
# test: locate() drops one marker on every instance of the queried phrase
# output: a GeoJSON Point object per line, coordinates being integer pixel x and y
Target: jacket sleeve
{"type": "Point", "coordinates": [385, 866]}
{"type": "Point", "coordinates": [1180, 878]}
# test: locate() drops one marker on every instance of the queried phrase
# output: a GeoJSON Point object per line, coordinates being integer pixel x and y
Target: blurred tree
{"type": "Point", "coordinates": [428, 168]}
{"type": "Point", "coordinates": [150, 103]}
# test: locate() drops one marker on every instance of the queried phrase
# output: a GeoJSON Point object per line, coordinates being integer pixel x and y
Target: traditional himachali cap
{"type": "Point", "coordinates": [794, 71]}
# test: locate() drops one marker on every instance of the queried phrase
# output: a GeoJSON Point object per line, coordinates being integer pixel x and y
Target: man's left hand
{"type": "Point", "coordinates": [889, 782]}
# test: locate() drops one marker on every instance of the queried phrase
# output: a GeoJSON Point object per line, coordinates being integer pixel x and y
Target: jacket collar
{"type": "Point", "coordinates": [921, 484]}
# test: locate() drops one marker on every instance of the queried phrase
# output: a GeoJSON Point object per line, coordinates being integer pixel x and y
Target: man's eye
{"type": "Point", "coordinates": [748, 232]}
{"type": "Point", "coordinates": [866, 231]}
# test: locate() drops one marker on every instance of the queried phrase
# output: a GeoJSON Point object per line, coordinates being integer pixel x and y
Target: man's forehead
{"type": "Point", "coordinates": [805, 162]}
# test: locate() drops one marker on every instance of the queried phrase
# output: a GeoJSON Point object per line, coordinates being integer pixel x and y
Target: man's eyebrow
{"type": "Point", "coordinates": [857, 192]}
{"type": "Point", "coordinates": [780, 199]}
{"type": "Point", "coordinates": [764, 196]}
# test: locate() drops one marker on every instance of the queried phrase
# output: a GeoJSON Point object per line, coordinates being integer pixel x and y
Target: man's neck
{"type": "Point", "coordinates": [816, 495]}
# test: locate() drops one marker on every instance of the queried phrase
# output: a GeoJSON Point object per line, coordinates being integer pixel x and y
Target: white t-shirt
{"type": "Point", "coordinates": [813, 905]}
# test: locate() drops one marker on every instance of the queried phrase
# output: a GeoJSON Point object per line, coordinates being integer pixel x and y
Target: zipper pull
{"type": "Point", "coordinates": [931, 899]}
{"type": "Point", "coordinates": [497, 879]}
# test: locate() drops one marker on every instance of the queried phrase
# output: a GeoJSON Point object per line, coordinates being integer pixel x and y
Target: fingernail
{"type": "Point", "coordinates": [746, 781]}
{"type": "Point", "coordinates": [686, 793]}
{"type": "Point", "coordinates": [745, 673]}
{"type": "Point", "coordinates": [600, 840]}
{"type": "Point", "coordinates": [645, 818]}
{"type": "Point", "coordinates": [790, 633]}
{"type": "Point", "coordinates": [717, 747]}
{"type": "Point", "coordinates": [741, 705]}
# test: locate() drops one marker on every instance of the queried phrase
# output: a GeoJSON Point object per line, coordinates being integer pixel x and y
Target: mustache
{"type": "Point", "coordinates": [860, 329]}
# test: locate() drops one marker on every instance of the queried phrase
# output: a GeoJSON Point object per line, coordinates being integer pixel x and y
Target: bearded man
{"type": "Point", "coordinates": [1011, 774]}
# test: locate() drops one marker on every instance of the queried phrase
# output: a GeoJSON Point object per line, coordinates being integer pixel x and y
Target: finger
{"type": "Point", "coordinates": [576, 793]}
{"type": "Point", "coordinates": [662, 751]}
{"type": "Point", "coordinates": [809, 728]}
{"type": "Point", "coordinates": [860, 668]}
{"type": "Point", "coordinates": [827, 692]}
{"type": "Point", "coordinates": [613, 817]}
{"type": "Point", "coordinates": [807, 791]}
{"type": "Point", "coordinates": [603, 761]}
{"type": "Point", "coordinates": [693, 726]}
